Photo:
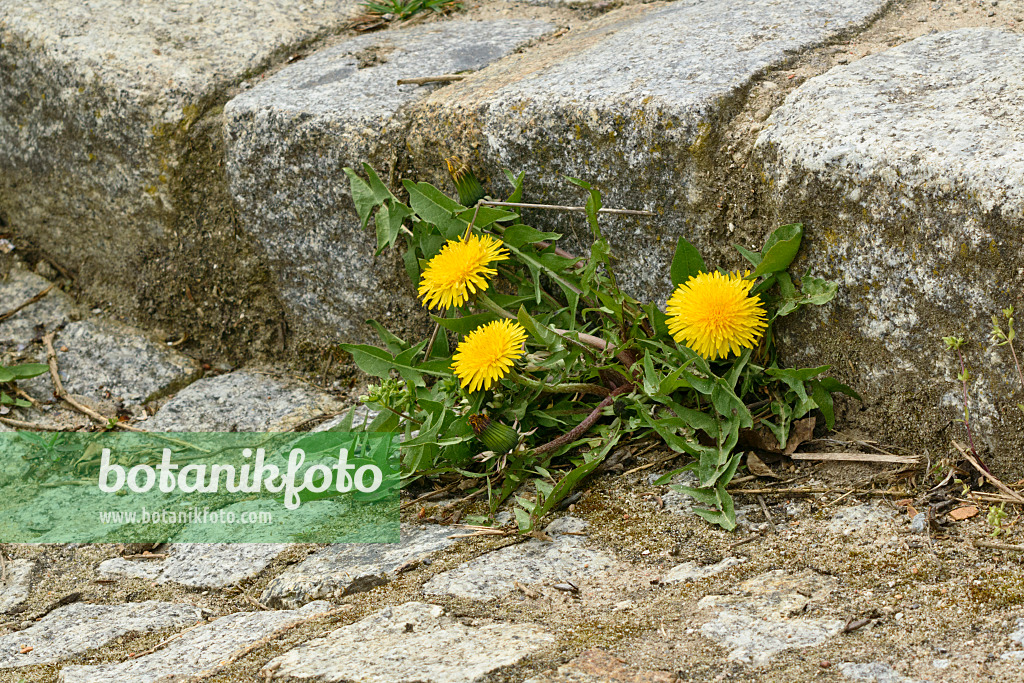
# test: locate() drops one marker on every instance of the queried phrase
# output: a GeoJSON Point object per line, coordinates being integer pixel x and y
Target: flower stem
{"type": "Point", "coordinates": [485, 302]}
{"type": "Point", "coordinates": [568, 388]}
{"type": "Point", "coordinates": [1017, 364]}
{"type": "Point", "coordinates": [967, 413]}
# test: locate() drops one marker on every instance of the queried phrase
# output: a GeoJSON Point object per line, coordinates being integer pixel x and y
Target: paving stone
{"type": "Point", "coordinates": [861, 519]}
{"type": "Point", "coordinates": [691, 571]}
{"type": "Point", "coordinates": [494, 574]}
{"type": "Point", "coordinates": [98, 101]}
{"type": "Point", "coordinates": [72, 629]}
{"type": "Point", "coordinates": [109, 360]}
{"type": "Point", "coordinates": [642, 88]}
{"type": "Point", "coordinates": [344, 569]}
{"type": "Point", "coordinates": [199, 650]}
{"type": "Point", "coordinates": [244, 401]}
{"type": "Point", "coordinates": [597, 666]}
{"type": "Point", "coordinates": [907, 169]}
{"type": "Point", "coordinates": [873, 672]}
{"type": "Point", "coordinates": [297, 130]}
{"type": "Point", "coordinates": [761, 619]}
{"type": "Point", "coordinates": [199, 565]}
{"type": "Point", "coordinates": [21, 285]}
{"type": "Point", "coordinates": [411, 642]}
{"type": "Point", "coordinates": [15, 588]}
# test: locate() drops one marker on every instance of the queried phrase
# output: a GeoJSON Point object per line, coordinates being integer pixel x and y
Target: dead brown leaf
{"type": "Point", "coordinates": [963, 512]}
{"type": "Point", "coordinates": [757, 467]}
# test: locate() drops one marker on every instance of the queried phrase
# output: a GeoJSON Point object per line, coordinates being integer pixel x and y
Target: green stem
{"type": "Point", "coordinates": [568, 388]}
{"type": "Point", "coordinates": [485, 302]}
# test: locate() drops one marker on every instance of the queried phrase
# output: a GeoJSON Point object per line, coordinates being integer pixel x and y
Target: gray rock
{"type": "Point", "coordinates": [108, 360]}
{"type": "Point", "coordinates": [52, 310]}
{"type": "Point", "coordinates": [98, 106]}
{"type": "Point", "coordinates": [296, 131]}
{"type": "Point", "coordinates": [199, 565]}
{"type": "Point", "coordinates": [340, 570]}
{"type": "Point", "coordinates": [494, 574]}
{"type": "Point", "coordinates": [411, 642]}
{"type": "Point", "coordinates": [919, 524]}
{"type": "Point", "coordinates": [244, 401]}
{"type": "Point", "coordinates": [907, 168]}
{"type": "Point", "coordinates": [633, 102]}
{"type": "Point", "coordinates": [16, 586]}
{"type": "Point", "coordinates": [761, 619]}
{"type": "Point", "coordinates": [859, 519]}
{"type": "Point", "coordinates": [72, 629]}
{"type": "Point", "coordinates": [198, 650]}
{"type": "Point", "coordinates": [873, 672]}
{"type": "Point", "coordinates": [691, 571]}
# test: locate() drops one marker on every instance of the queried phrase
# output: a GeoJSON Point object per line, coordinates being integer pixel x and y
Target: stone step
{"type": "Point", "coordinates": [199, 565]}
{"type": "Point", "coordinates": [413, 641]}
{"type": "Point", "coordinates": [906, 168]}
{"type": "Point", "coordinates": [76, 628]}
{"type": "Point", "coordinates": [634, 102]}
{"type": "Point", "coordinates": [297, 130]}
{"type": "Point", "coordinates": [242, 401]}
{"type": "Point", "coordinates": [345, 569]}
{"type": "Point", "coordinates": [199, 651]}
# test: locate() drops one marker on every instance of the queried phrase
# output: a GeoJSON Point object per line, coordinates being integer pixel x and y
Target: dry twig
{"type": "Point", "coordinates": [26, 304]}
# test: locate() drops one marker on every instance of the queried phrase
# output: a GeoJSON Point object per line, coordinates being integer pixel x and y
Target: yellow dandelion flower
{"type": "Point", "coordinates": [714, 314]}
{"type": "Point", "coordinates": [459, 270]}
{"type": "Point", "coordinates": [488, 353]}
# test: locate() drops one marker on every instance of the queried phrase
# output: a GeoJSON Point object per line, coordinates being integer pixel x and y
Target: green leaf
{"type": "Point", "coordinates": [823, 399]}
{"type": "Point", "coordinates": [538, 331]}
{"type": "Point", "coordinates": [23, 371]}
{"type": "Point", "coordinates": [518, 235]}
{"type": "Point", "coordinates": [833, 386]}
{"type": "Point", "coordinates": [362, 196]}
{"type": "Point", "coordinates": [517, 185]}
{"type": "Point", "coordinates": [752, 256]}
{"type": "Point", "coordinates": [686, 263]}
{"type": "Point", "coordinates": [466, 324]}
{"type": "Point", "coordinates": [394, 343]}
{"type": "Point", "coordinates": [433, 206]}
{"type": "Point", "coordinates": [487, 215]}
{"type": "Point", "coordinates": [380, 363]}
{"type": "Point", "coordinates": [780, 249]}
{"type": "Point", "coordinates": [381, 193]}
{"type": "Point", "coordinates": [389, 223]}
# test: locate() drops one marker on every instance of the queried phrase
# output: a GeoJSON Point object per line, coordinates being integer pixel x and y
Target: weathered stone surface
{"type": "Point", "coordinates": [199, 650]}
{"type": "Point", "coordinates": [411, 642]}
{"type": "Point", "coordinates": [17, 584]}
{"type": "Point", "coordinates": [108, 360]}
{"type": "Point", "coordinates": [861, 519]}
{"type": "Point", "coordinates": [199, 565]}
{"type": "Point", "coordinates": [598, 666]}
{"type": "Point", "coordinates": [96, 105]}
{"type": "Point", "coordinates": [760, 620]}
{"type": "Point", "coordinates": [873, 672]}
{"type": "Point", "coordinates": [244, 401]}
{"type": "Point", "coordinates": [340, 570]}
{"type": "Point", "coordinates": [295, 132]}
{"type": "Point", "coordinates": [634, 102]}
{"type": "Point", "coordinates": [691, 571]}
{"type": "Point", "coordinates": [492, 575]}
{"type": "Point", "coordinates": [907, 168]}
{"type": "Point", "coordinates": [79, 627]}
{"type": "Point", "coordinates": [50, 311]}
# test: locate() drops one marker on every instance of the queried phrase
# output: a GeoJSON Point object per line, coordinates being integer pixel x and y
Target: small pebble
{"type": "Point", "coordinates": [919, 525]}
